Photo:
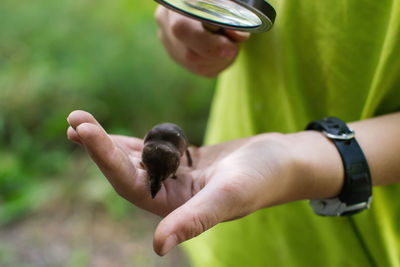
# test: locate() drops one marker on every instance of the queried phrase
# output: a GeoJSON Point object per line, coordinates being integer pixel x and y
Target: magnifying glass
{"type": "Point", "coordinates": [240, 15]}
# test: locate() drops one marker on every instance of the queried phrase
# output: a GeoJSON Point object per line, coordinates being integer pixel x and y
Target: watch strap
{"type": "Point", "coordinates": [357, 188]}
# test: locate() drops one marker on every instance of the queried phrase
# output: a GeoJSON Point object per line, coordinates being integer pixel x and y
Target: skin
{"type": "Point", "coordinates": [197, 49]}
{"type": "Point", "coordinates": [235, 178]}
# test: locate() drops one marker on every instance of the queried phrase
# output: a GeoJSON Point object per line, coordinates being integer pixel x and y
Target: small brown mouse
{"type": "Point", "coordinates": [164, 145]}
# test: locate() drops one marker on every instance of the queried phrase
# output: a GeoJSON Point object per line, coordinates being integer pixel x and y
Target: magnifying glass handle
{"type": "Point", "coordinates": [213, 28]}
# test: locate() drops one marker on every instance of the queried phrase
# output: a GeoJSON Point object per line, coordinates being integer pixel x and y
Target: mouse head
{"type": "Point", "coordinates": [161, 160]}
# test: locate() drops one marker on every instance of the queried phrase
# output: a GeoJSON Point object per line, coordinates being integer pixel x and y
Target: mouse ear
{"type": "Point", "coordinates": [142, 165]}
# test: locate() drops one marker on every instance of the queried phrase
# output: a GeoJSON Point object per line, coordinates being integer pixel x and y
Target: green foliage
{"type": "Point", "coordinates": [100, 56]}
{"type": "Point", "coordinates": [79, 258]}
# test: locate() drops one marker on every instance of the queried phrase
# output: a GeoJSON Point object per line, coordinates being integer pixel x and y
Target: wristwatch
{"type": "Point", "coordinates": [356, 194]}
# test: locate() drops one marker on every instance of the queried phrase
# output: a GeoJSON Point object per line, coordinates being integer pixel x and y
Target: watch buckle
{"type": "Point", "coordinates": [334, 207]}
{"type": "Point", "coordinates": [344, 136]}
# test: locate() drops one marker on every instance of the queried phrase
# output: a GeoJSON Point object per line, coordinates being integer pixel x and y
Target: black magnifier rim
{"type": "Point", "coordinates": [264, 11]}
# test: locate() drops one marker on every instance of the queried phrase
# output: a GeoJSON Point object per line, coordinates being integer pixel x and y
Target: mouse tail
{"type": "Point", "coordinates": [154, 187]}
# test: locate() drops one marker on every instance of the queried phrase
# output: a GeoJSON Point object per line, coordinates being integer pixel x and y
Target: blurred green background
{"type": "Point", "coordinates": [103, 57]}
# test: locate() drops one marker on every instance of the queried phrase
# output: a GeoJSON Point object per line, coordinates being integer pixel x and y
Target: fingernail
{"type": "Point", "coordinates": [169, 244]}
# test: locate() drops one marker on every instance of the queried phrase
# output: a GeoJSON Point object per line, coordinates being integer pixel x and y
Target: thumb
{"type": "Point", "coordinates": [197, 215]}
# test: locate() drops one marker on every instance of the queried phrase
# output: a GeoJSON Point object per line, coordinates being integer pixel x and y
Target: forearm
{"type": "Point", "coordinates": [379, 138]}
{"type": "Point", "coordinates": [319, 169]}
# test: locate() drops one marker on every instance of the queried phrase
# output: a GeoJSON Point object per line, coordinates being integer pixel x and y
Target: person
{"type": "Point", "coordinates": [244, 197]}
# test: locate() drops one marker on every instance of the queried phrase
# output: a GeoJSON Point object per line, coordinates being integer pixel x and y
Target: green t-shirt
{"type": "Point", "coordinates": [322, 58]}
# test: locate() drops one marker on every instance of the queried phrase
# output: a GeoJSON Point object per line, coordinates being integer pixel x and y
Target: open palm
{"type": "Point", "coordinates": [225, 181]}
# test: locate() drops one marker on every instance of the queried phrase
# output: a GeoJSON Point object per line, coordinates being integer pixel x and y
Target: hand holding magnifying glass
{"type": "Point", "coordinates": [209, 54]}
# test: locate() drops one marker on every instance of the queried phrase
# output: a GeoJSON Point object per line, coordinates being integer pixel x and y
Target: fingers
{"type": "Point", "coordinates": [237, 36]}
{"type": "Point", "coordinates": [192, 46]}
{"type": "Point", "coordinates": [200, 40]}
{"type": "Point", "coordinates": [112, 161]}
{"type": "Point", "coordinates": [132, 143]}
{"type": "Point", "coordinates": [77, 117]}
{"type": "Point", "coordinates": [73, 136]}
{"type": "Point", "coordinates": [206, 209]}
{"type": "Point", "coordinates": [187, 221]}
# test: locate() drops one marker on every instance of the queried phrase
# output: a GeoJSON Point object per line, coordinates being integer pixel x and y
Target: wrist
{"type": "Point", "coordinates": [318, 168]}
{"type": "Point", "coordinates": [299, 166]}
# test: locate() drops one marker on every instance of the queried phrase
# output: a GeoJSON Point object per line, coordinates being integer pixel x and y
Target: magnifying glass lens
{"type": "Point", "coordinates": [220, 11]}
